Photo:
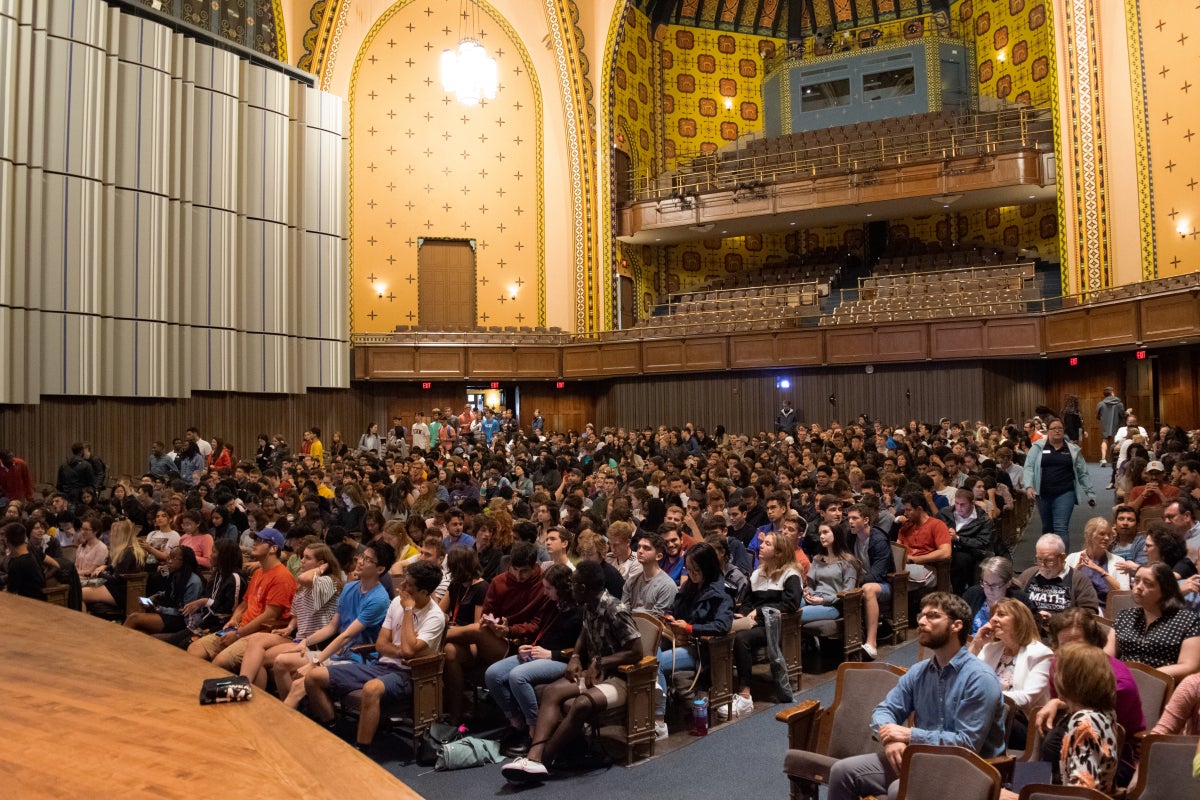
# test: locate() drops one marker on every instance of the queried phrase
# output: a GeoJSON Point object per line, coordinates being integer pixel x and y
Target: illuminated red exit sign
{"type": "Point", "coordinates": [494, 385]}
{"type": "Point", "coordinates": [560, 384]}
{"type": "Point", "coordinates": [426, 385]}
{"type": "Point", "coordinates": [1140, 355]}
{"type": "Point", "coordinates": [1073, 361]}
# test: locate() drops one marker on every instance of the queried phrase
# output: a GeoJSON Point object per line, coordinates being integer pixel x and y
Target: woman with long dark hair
{"type": "Point", "coordinates": [225, 590]}
{"type": "Point", "coordinates": [183, 586]}
{"type": "Point", "coordinates": [1072, 419]}
{"type": "Point", "coordinates": [1159, 631]}
{"type": "Point", "coordinates": [701, 608]}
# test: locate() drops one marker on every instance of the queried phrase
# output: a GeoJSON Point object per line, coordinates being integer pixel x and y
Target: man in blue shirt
{"type": "Point", "coordinates": [954, 696]}
{"type": "Point", "coordinates": [490, 425]}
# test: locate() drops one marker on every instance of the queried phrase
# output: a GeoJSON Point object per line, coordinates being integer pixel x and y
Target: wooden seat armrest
{"type": "Point", "coordinates": [363, 650]}
{"type": "Point", "coordinates": [644, 662]}
{"type": "Point", "coordinates": [789, 713]}
{"type": "Point", "coordinates": [804, 722]}
{"type": "Point", "coordinates": [426, 667]}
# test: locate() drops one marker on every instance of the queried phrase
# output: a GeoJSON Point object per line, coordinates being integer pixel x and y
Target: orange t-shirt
{"type": "Point", "coordinates": [270, 587]}
{"type": "Point", "coordinates": [924, 538]}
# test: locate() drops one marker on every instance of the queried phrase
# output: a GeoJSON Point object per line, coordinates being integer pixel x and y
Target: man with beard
{"type": "Point", "coordinates": [954, 698]}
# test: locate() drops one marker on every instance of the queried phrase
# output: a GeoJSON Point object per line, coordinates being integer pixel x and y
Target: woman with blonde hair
{"type": "Point", "coordinates": [125, 556]}
{"type": "Point", "coordinates": [775, 584]}
{"type": "Point", "coordinates": [1011, 645]}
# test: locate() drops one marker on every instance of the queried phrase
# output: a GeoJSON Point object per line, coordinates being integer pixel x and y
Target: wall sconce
{"type": "Point", "coordinates": [380, 287]}
{"type": "Point", "coordinates": [1001, 57]}
{"type": "Point", "coordinates": [512, 291]}
{"type": "Point", "coordinates": [728, 103]}
{"type": "Point", "coordinates": [1182, 229]}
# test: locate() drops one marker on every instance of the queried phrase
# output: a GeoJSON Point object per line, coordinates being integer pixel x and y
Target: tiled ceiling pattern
{"type": "Point", "coordinates": [770, 17]}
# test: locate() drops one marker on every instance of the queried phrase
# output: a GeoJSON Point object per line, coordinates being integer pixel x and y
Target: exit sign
{"type": "Point", "coordinates": [494, 385]}
{"type": "Point", "coordinates": [426, 385]}
{"type": "Point", "coordinates": [1140, 355]}
{"type": "Point", "coordinates": [1073, 361]}
{"type": "Point", "coordinates": [560, 384]}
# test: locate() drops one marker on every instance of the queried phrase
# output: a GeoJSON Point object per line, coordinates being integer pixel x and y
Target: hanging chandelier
{"type": "Point", "coordinates": [468, 72]}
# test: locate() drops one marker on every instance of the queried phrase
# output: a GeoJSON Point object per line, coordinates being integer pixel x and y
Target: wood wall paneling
{"type": "Point", "coordinates": [802, 348]}
{"type": "Point", "coordinates": [387, 362]}
{"type": "Point", "coordinates": [581, 360]}
{"type": "Point", "coordinates": [663, 355]}
{"type": "Point", "coordinates": [538, 362]}
{"type": "Point", "coordinates": [1113, 324]}
{"type": "Point", "coordinates": [855, 345]}
{"type": "Point", "coordinates": [491, 362]}
{"type": "Point", "coordinates": [902, 343]}
{"type": "Point", "coordinates": [957, 340]}
{"type": "Point", "coordinates": [756, 350]}
{"type": "Point", "coordinates": [1170, 317]}
{"type": "Point", "coordinates": [621, 358]}
{"type": "Point", "coordinates": [1066, 331]}
{"type": "Point", "coordinates": [706, 354]}
{"type": "Point", "coordinates": [441, 362]}
{"type": "Point", "coordinates": [1012, 336]}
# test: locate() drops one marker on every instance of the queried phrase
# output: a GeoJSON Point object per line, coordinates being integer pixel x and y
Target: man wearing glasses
{"type": "Point", "coordinates": [1052, 586]}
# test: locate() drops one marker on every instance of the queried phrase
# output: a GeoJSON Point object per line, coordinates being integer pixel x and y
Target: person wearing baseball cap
{"type": "Point", "coordinates": [266, 606]}
{"type": "Point", "coordinates": [1153, 491]}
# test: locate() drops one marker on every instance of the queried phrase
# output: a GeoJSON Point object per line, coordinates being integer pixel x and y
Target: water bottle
{"type": "Point", "coordinates": [700, 716]}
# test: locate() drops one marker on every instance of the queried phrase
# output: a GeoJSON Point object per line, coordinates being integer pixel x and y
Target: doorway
{"type": "Point", "coordinates": [446, 284]}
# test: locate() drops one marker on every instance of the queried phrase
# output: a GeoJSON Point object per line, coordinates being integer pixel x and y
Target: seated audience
{"type": "Point", "coordinates": [608, 638]}
{"type": "Point", "coordinates": [512, 681]}
{"type": "Point", "coordinates": [266, 606]}
{"type": "Point", "coordinates": [650, 589]}
{"type": "Point", "coordinates": [973, 537]}
{"type": "Point", "coordinates": [24, 576]}
{"type": "Point", "coordinates": [1051, 585]}
{"type": "Point", "coordinates": [315, 603]}
{"type": "Point", "coordinates": [1095, 561]}
{"type": "Point", "coordinates": [927, 539]}
{"type": "Point", "coordinates": [701, 608]}
{"type": "Point", "coordinates": [775, 584]}
{"type": "Point", "coordinates": [1158, 631]}
{"type": "Point", "coordinates": [952, 697]}
{"type": "Point", "coordinates": [874, 554]}
{"type": "Point", "coordinates": [125, 557]}
{"type": "Point", "coordinates": [183, 586]}
{"type": "Point", "coordinates": [413, 627]}
{"type": "Point", "coordinates": [1009, 643]}
{"type": "Point", "coordinates": [995, 584]}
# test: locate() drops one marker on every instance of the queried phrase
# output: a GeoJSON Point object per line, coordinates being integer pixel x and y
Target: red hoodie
{"type": "Point", "coordinates": [522, 604]}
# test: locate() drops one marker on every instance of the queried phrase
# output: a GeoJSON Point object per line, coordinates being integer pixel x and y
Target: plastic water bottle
{"type": "Point", "coordinates": [700, 716]}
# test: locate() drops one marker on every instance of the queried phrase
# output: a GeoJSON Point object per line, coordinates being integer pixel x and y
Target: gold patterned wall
{"type": "Point", "coordinates": [1014, 48]}
{"type": "Point", "coordinates": [1164, 47]}
{"type": "Point", "coordinates": [691, 266]}
{"type": "Point", "coordinates": [423, 165]}
{"type": "Point", "coordinates": [1032, 226]}
{"type": "Point", "coordinates": [711, 89]}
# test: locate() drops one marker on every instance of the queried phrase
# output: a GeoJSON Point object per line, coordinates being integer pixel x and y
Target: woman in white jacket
{"type": "Point", "coordinates": [1009, 644]}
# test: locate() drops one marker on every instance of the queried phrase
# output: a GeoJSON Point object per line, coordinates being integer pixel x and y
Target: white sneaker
{"type": "Point", "coordinates": [742, 705]}
{"type": "Point", "coordinates": [871, 652]}
{"type": "Point", "coordinates": [660, 731]}
{"type": "Point", "coordinates": [722, 712]}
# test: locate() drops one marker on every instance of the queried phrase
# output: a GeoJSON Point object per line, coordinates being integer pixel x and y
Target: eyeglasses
{"type": "Point", "coordinates": [992, 586]}
{"type": "Point", "coordinates": [368, 559]}
{"type": "Point", "coordinates": [1049, 560]}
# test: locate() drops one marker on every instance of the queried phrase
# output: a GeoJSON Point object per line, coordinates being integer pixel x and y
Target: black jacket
{"type": "Point", "coordinates": [977, 538]}
{"type": "Point", "coordinates": [74, 476]}
{"type": "Point", "coordinates": [709, 610]}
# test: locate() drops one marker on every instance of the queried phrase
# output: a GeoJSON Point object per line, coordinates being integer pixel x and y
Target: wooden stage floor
{"type": "Point", "coordinates": [88, 708]}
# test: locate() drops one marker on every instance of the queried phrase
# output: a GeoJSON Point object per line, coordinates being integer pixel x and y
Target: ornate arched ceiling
{"type": "Point", "coordinates": [772, 17]}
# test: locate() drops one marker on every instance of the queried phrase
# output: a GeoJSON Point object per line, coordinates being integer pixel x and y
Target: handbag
{"type": "Point", "coordinates": [468, 751]}
{"type": "Point", "coordinates": [435, 739]}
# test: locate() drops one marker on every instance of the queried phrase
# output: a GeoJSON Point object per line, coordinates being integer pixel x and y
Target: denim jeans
{"type": "Point", "coordinates": [814, 612]}
{"type": "Point", "coordinates": [669, 660]}
{"type": "Point", "coordinates": [512, 683]}
{"type": "Point", "coordinates": [1056, 515]}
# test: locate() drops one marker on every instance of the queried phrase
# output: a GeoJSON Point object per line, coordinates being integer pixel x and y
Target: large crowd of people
{"type": "Point", "coordinates": [522, 552]}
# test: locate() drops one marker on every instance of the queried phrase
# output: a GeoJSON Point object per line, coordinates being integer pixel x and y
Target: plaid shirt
{"type": "Point", "coordinates": [608, 628]}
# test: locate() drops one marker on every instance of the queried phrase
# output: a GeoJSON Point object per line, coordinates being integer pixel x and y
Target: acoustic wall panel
{"type": "Point", "coordinates": [155, 238]}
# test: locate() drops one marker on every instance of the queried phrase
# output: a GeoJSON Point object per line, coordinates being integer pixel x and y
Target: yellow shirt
{"type": "Point", "coordinates": [317, 451]}
{"type": "Point", "coordinates": [325, 491]}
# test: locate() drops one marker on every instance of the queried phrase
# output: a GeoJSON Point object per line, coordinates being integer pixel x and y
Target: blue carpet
{"type": "Point", "coordinates": [734, 760]}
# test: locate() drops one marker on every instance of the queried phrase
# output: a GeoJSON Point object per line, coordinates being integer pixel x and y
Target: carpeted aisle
{"type": "Point", "coordinates": [732, 761]}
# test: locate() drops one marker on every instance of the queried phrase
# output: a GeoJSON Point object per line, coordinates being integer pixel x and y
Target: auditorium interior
{"type": "Point", "coordinates": [268, 215]}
